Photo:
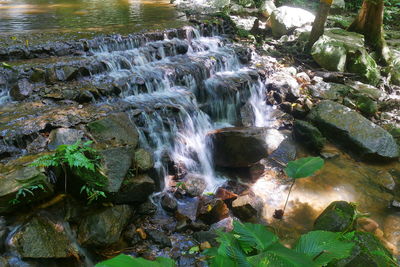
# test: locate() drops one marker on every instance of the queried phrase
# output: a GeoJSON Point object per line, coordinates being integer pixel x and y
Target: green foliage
{"type": "Point", "coordinates": [251, 245]}
{"type": "Point", "coordinates": [83, 160]}
{"type": "Point", "coordinates": [24, 191]}
{"type": "Point", "coordinates": [304, 167]}
{"type": "Point", "coordinates": [123, 260]}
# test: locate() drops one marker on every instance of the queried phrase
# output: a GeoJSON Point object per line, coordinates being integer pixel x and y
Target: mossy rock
{"type": "Point", "coordinates": [361, 63]}
{"type": "Point", "coordinates": [337, 217]}
{"type": "Point", "coordinates": [368, 251]}
{"type": "Point", "coordinates": [308, 135]}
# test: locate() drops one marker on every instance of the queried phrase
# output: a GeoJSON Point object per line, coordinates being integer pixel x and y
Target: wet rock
{"type": "Point", "coordinates": [361, 63]}
{"type": "Point", "coordinates": [115, 163]}
{"type": "Point", "coordinates": [239, 147]}
{"type": "Point", "coordinates": [38, 75]}
{"type": "Point", "coordinates": [159, 238]}
{"type": "Point", "coordinates": [142, 160]}
{"type": "Point", "coordinates": [223, 225]}
{"type": "Point", "coordinates": [386, 181]}
{"type": "Point", "coordinates": [3, 234]}
{"type": "Point", "coordinates": [104, 228]}
{"type": "Point", "coordinates": [135, 189]}
{"type": "Point", "coordinates": [18, 174]}
{"type": "Point", "coordinates": [284, 18]}
{"type": "Point", "coordinates": [116, 130]}
{"type": "Point", "coordinates": [364, 252]}
{"type": "Point", "coordinates": [63, 136]}
{"type": "Point", "coordinates": [43, 238]}
{"type": "Point", "coordinates": [23, 89]}
{"type": "Point", "coordinates": [225, 195]}
{"type": "Point", "coordinates": [308, 135]}
{"type": "Point", "coordinates": [212, 210]}
{"type": "Point", "coordinates": [391, 228]}
{"type": "Point", "coordinates": [285, 152]}
{"type": "Point", "coordinates": [169, 203]}
{"type": "Point", "coordinates": [349, 128]}
{"type": "Point", "coordinates": [245, 208]}
{"type": "Point", "coordinates": [147, 208]}
{"type": "Point", "coordinates": [206, 236]}
{"type": "Point", "coordinates": [194, 184]}
{"type": "Point", "coordinates": [337, 217]}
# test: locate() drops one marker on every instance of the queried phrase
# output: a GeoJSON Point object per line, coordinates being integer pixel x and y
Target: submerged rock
{"type": "Point", "coordinates": [337, 217]}
{"type": "Point", "coordinates": [43, 238]}
{"type": "Point", "coordinates": [159, 238]}
{"type": "Point", "coordinates": [349, 128]}
{"type": "Point", "coordinates": [284, 18]}
{"type": "Point", "coordinates": [104, 227]}
{"type": "Point", "coordinates": [239, 147]}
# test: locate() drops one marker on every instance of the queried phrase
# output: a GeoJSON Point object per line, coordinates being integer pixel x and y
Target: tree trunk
{"type": "Point", "coordinates": [369, 22]}
{"type": "Point", "coordinates": [319, 22]}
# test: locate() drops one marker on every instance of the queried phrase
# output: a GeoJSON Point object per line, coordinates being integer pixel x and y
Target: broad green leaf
{"type": "Point", "coordinates": [230, 247]}
{"type": "Point", "coordinates": [123, 260]}
{"type": "Point", "coordinates": [323, 246]}
{"type": "Point", "coordinates": [304, 167]}
{"type": "Point", "coordinates": [254, 236]}
{"type": "Point", "coordinates": [278, 255]}
{"type": "Point", "coordinates": [221, 261]}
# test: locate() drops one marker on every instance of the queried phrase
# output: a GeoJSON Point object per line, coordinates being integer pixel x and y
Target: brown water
{"type": "Point", "coordinates": [18, 16]}
{"type": "Point", "coordinates": [342, 178]}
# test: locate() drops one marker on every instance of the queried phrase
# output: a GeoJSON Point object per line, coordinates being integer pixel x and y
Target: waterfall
{"type": "Point", "coordinates": [207, 86]}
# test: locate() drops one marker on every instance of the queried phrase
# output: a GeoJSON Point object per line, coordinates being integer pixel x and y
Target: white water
{"type": "Point", "coordinates": [183, 137]}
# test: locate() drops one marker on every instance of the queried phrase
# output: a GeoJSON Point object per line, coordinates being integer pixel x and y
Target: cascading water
{"type": "Point", "coordinates": [207, 86]}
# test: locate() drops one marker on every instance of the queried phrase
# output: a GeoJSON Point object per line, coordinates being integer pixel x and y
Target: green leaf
{"type": "Point", "coordinates": [279, 255]}
{"type": "Point", "coordinates": [304, 167]}
{"type": "Point", "coordinates": [193, 250]}
{"type": "Point", "coordinates": [254, 236]}
{"type": "Point", "coordinates": [123, 260]}
{"type": "Point", "coordinates": [230, 247]}
{"type": "Point", "coordinates": [324, 246]}
{"type": "Point", "coordinates": [6, 66]}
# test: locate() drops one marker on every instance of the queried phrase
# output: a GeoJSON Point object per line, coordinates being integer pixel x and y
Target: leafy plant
{"type": "Point", "coordinates": [24, 191]}
{"type": "Point", "coordinates": [297, 169]}
{"type": "Point", "coordinates": [123, 260]}
{"type": "Point", "coordinates": [83, 160]}
{"type": "Point", "coordinates": [251, 245]}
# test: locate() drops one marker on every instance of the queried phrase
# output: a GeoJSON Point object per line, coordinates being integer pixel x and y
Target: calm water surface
{"type": "Point", "coordinates": [18, 16]}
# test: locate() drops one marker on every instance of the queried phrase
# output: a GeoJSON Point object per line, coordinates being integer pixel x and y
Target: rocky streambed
{"type": "Point", "coordinates": [193, 131]}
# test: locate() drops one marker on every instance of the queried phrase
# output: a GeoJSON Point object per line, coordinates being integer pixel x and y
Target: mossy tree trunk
{"type": "Point", "coordinates": [319, 22]}
{"type": "Point", "coordinates": [369, 22]}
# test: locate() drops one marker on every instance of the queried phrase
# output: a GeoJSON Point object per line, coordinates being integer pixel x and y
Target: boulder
{"type": "Point", "coordinates": [135, 189]}
{"type": "Point", "coordinates": [44, 238]}
{"type": "Point", "coordinates": [21, 90]}
{"type": "Point", "coordinates": [337, 217]}
{"type": "Point", "coordinates": [308, 135]}
{"type": "Point", "coordinates": [115, 163]}
{"type": "Point", "coordinates": [239, 147]}
{"type": "Point", "coordinates": [194, 184]}
{"type": "Point", "coordinates": [267, 7]}
{"type": "Point", "coordinates": [143, 160]}
{"type": "Point", "coordinates": [395, 69]}
{"type": "Point", "coordinates": [285, 18]}
{"type": "Point", "coordinates": [17, 175]}
{"type": "Point", "coordinates": [340, 50]}
{"type": "Point", "coordinates": [349, 128]}
{"type": "Point", "coordinates": [114, 130]}
{"type": "Point", "coordinates": [225, 195]}
{"type": "Point", "coordinates": [104, 227]}
{"type": "Point", "coordinates": [245, 208]}
{"type": "Point", "coordinates": [63, 136]}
